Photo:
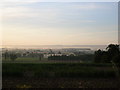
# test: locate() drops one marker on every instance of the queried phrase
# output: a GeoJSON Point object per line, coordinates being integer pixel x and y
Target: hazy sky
{"type": "Point", "coordinates": [61, 23]}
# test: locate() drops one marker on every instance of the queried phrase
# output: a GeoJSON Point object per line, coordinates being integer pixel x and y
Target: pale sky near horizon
{"type": "Point", "coordinates": [61, 23]}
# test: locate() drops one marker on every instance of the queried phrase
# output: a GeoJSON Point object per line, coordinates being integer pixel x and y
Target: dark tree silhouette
{"type": "Point", "coordinates": [108, 56]}
{"type": "Point", "coordinates": [40, 57]}
{"type": "Point", "coordinates": [13, 57]}
{"type": "Point", "coordinates": [112, 55]}
{"type": "Point", "coordinates": [113, 51]}
{"type": "Point", "coordinates": [98, 56]}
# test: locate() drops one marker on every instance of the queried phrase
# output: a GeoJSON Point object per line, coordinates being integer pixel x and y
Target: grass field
{"type": "Point", "coordinates": [22, 59]}
{"type": "Point", "coordinates": [58, 70]}
{"type": "Point", "coordinates": [36, 60]}
{"type": "Point", "coordinates": [60, 75]}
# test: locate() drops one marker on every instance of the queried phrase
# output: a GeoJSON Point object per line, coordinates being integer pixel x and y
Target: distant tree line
{"type": "Point", "coordinates": [86, 57]}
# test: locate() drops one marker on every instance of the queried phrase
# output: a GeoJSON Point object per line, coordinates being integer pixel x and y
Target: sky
{"type": "Point", "coordinates": [59, 23]}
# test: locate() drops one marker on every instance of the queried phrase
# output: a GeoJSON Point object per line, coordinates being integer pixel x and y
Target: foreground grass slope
{"type": "Point", "coordinates": [58, 70]}
{"type": "Point", "coordinates": [58, 75]}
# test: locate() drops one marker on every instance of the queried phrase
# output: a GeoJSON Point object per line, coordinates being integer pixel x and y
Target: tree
{"type": "Point", "coordinates": [40, 56]}
{"type": "Point", "coordinates": [113, 50]}
{"type": "Point", "coordinates": [51, 52]}
{"type": "Point", "coordinates": [104, 57]}
{"type": "Point", "coordinates": [59, 52]}
{"type": "Point", "coordinates": [116, 59]}
{"type": "Point", "coordinates": [114, 56]}
{"type": "Point", "coordinates": [6, 55]}
{"type": "Point", "coordinates": [13, 57]}
{"type": "Point", "coordinates": [98, 56]}
{"type": "Point", "coordinates": [111, 54]}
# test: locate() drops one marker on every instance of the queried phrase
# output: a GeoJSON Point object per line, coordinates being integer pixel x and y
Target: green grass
{"type": "Point", "coordinates": [24, 59]}
{"type": "Point", "coordinates": [58, 70]}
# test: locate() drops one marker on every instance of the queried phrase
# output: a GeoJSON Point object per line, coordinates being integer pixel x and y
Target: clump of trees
{"type": "Point", "coordinates": [13, 57]}
{"type": "Point", "coordinates": [86, 57]}
{"type": "Point", "coordinates": [112, 53]}
{"type": "Point", "coordinates": [10, 56]}
{"type": "Point", "coordinates": [6, 55]}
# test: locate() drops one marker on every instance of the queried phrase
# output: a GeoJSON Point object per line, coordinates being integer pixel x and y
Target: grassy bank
{"type": "Point", "coordinates": [53, 70]}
